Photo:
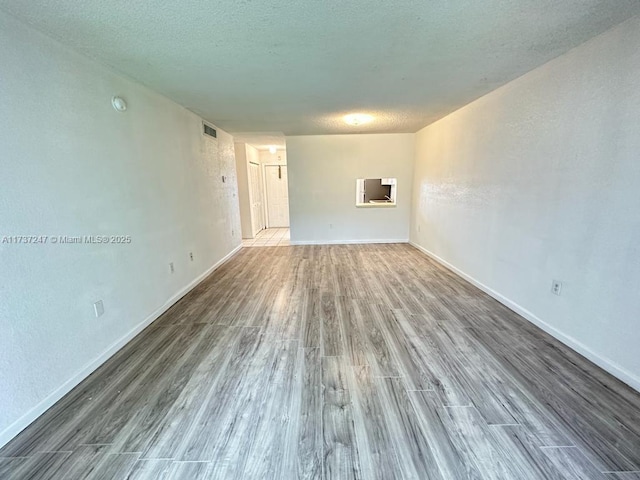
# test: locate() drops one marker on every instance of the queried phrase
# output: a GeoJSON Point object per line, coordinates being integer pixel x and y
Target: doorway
{"type": "Point", "coordinates": [270, 237]}
{"type": "Point", "coordinates": [277, 189]}
{"type": "Point", "coordinates": [257, 198]}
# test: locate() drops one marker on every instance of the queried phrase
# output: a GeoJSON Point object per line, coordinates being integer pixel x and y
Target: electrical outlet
{"type": "Point", "coordinates": [171, 269]}
{"type": "Point", "coordinates": [556, 287]}
{"type": "Point", "coordinates": [98, 308]}
{"type": "Point", "coordinates": [191, 256]}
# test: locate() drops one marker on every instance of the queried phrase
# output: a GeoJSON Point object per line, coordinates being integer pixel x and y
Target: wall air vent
{"type": "Point", "coordinates": [210, 131]}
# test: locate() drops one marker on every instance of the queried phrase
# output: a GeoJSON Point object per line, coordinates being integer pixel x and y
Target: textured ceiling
{"type": "Point", "coordinates": [261, 140]}
{"type": "Point", "coordinates": [298, 66]}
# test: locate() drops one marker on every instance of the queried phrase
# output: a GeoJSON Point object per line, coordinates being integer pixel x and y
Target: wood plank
{"type": "Point", "coordinates": [622, 476]}
{"type": "Point", "coordinates": [309, 448]}
{"type": "Point", "coordinates": [402, 351]}
{"type": "Point", "coordinates": [341, 458]}
{"type": "Point", "coordinates": [373, 435]}
{"type": "Point", "coordinates": [10, 465]}
{"type": "Point", "coordinates": [379, 351]}
{"type": "Point", "coordinates": [114, 465]}
{"type": "Point", "coordinates": [356, 347]}
{"type": "Point", "coordinates": [415, 447]}
{"type": "Point", "coordinates": [312, 320]}
{"type": "Point", "coordinates": [450, 455]}
{"type": "Point", "coordinates": [149, 470]}
{"type": "Point", "coordinates": [573, 463]}
{"type": "Point", "coordinates": [441, 377]}
{"type": "Point", "coordinates": [516, 443]}
{"type": "Point", "coordinates": [229, 411]}
{"type": "Point", "coordinates": [119, 411]}
{"type": "Point", "coordinates": [190, 470]}
{"type": "Point", "coordinates": [157, 403]}
{"type": "Point", "coordinates": [267, 453]}
{"type": "Point", "coordinates": [179, 421]}
{"type": "Point", "coordinates": [332, 343]}
{"type": "Point", "coordinates": [45, 465]}
{"type": "Point", "coordinates": [84, 461]}
{"type": "Point", "coordinates": [472, 439]}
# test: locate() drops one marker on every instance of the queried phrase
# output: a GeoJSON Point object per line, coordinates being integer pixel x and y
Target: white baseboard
{"type": "Point", "coordinates": [25, 420]}
{"type": "Point", "coordinates": [348, 242]}
{"type": "Point", "coordinates": [606, 364]}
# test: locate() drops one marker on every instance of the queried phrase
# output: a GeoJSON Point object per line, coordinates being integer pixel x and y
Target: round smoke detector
{"type": "Point", "coordinates": [119, 104]}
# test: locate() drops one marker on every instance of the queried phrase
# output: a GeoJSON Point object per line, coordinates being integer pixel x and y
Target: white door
{"type": "Point", "coordinates": [277, 195]}
{"type": "Point", "coordinates": [257, 201]}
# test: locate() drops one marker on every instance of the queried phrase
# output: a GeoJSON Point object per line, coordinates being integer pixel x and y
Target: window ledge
{"type": "Point", "coordinates": [375, 205]}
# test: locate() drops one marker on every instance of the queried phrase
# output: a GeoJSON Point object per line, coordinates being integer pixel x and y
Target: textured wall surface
{"type": "Point", "coordinates": [278, 158]}
{"type": "Point", "coordinates": [322, 187]}
{"type": "Point", "coordinates": [246, 154]}
{"type": "Point", "coordinates": [244, 197]}
{"type": "Point", "coordinates": [71, 165]}
{"type": "Point", "coordinates": [540, 180]}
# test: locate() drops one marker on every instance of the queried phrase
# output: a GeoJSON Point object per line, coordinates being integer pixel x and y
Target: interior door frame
{"type": "Point", "coordinates": [262, 195]}
{"type": "Point", "coordinates": [266, 196]}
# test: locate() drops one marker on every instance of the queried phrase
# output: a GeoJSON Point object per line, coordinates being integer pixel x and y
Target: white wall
{"type": "Point", "coordinates": [540, 180]}
{"type": "Point", "coordinates": [71, 165]}
{"type": "Point", "coordinates": [246, 154]}
{"type": "Point", "coordinates": [256, 196]}
{"type": "Point", "coordinates": [278, 158]}
{"type": "Point", "coordinates": [322, 180]}
{"type": "Point", "coordinates": [244, 193]}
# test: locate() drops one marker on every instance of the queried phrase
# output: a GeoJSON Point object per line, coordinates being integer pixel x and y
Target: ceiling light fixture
{"type": "Point", "coordinates": [356, 119]}
{"type": "Point", "coordinates": [272, 149]}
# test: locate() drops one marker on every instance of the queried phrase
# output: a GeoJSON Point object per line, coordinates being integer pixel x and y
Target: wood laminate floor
{"type": "Point", "coordinates": [337, 362]}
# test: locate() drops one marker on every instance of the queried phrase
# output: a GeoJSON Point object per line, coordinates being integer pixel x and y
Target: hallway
{"type": "Point", "coordinates": [269, 237]}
